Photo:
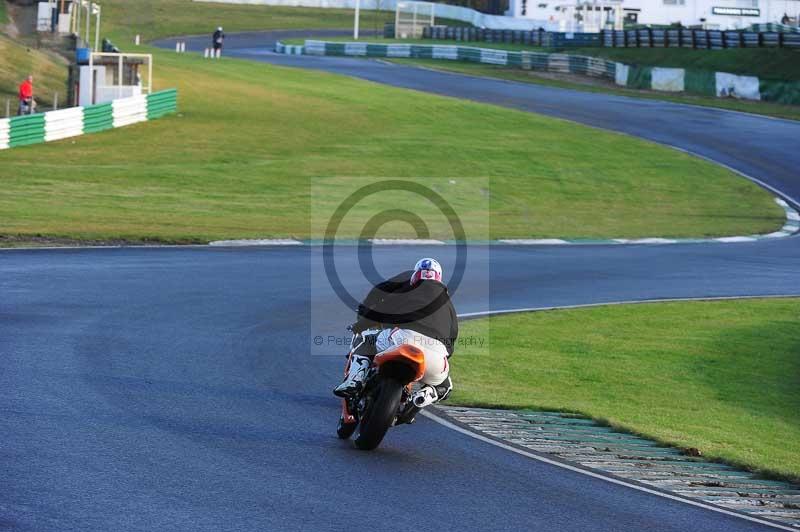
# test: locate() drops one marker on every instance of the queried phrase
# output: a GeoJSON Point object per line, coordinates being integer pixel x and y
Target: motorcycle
{"type": "Point", "coordinates": [386, 399]}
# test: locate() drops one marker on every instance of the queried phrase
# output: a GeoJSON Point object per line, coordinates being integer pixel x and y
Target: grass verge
{"type": "Point", "coordinates": [791, 112]}
{"type": "Point", "coordinates": [241, 166]}
{"type": "Point", "coordinates": [723, 376]}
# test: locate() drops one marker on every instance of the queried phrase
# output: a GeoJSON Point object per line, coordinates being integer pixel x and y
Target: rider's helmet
{"type": "Point", "coordinates": [427, 270]}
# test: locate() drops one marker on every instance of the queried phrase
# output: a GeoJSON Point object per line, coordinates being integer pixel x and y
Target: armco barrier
{"type": "Point", "coordinates": [720, 84]}
{"type": "Point", "coordinates": [74, 121]}
{"type": "Point", "coordinates": [573, 64]}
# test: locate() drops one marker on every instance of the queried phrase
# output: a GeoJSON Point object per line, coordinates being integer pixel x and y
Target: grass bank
{"type": "Point", "coordinates": [723, 377]}
{"type": "Point", "coordinates": [241, 166]}
{"type": "Point", "coordinates": [17, 61]}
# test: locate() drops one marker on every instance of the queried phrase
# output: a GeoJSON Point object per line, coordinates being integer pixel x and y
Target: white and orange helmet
{"type": "Point", "coordinates": [426, 270]}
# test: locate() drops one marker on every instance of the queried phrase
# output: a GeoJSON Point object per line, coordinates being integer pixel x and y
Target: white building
{"type": "Point", "coordinates": [594, 15]}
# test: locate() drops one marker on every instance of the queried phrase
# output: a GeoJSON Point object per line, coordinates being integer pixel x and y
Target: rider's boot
{"type": "Point", "coordinates": [428, 394]}
{"type": "Point", "coordinates": [425, 396]}
{"type": "Point", "coordinates": [356, 375]}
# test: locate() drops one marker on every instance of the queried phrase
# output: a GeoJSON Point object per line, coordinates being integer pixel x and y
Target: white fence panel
{"type": "Point", "coordinates": [4, 131]}
{"type": "Point", "coordinates": [398, 50]}
{"type": "Point", "coordinates": [129, 110]}
{"type": "Point", "coordinates": [494, 57]}
{"type": "Point", "coordinates": [667, 79]}
{"type": "Point", "coordinates": [63, 124]}
{"type": "Point", "coordinates": [355, 48]}
{"type": "Point", "coordinates": [445, 52]}
{"type": "Point", "coordinates": [621, 75]}
{"type": "Point", "coordinates": [315, 47]}
{"type": "Point", "coordinates": [731, 85]}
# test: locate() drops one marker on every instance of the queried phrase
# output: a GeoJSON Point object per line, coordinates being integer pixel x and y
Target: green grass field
{"type": "Point", "coordinates": [723, 377]}
{"type": "Point", "coordinates": [165, 18]}
{"type": "Point", "coordinates": [240, 159]}
{"type": "Point", "coordinates": [3, 13]}
{"type": "Point", "coordinates": [240, 166]}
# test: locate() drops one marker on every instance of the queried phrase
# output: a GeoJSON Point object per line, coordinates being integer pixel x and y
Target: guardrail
{"type": "Point", "coordinates": [706, 83]}
{"type": "Point", "coordinates": [75, 121]}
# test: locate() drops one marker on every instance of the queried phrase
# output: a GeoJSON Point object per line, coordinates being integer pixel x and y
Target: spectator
{"type": "Point", "coordinates": [217, 40]}
{"type": "Point", "coordinates": [26, 102]}
{"type": "Point", "coordinates": [785, 19]}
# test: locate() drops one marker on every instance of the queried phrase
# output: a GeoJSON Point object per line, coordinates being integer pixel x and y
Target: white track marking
{"type": "Point", "coordinates": [533, 241]}
{"type": "Point", "coordinates": [259, 242]}
{"type": "Point", "coordinates": [624, 302]}
{"type": "Point", "coordinates": [475, 435]}
{"type": "Point", "coordinates": [406, 242]}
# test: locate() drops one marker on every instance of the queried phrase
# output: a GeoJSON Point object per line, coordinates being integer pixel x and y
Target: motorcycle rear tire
{"type": "Point", "coordinates": [381, 414]}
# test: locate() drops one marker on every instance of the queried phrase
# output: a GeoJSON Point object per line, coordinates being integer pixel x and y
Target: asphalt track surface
{"type": "Point", "coordinates": [177, 389]}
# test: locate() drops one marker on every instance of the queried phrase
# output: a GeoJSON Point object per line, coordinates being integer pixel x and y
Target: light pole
{"type": "Point", "coordinates": [355, 24]}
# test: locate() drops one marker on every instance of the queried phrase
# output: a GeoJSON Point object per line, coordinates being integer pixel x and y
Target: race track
{"type": "Point", "coordinates": [174, 389]}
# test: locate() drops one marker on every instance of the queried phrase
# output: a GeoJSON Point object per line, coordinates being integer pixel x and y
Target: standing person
{"type": "Point", "coordinates": [217, 39]}
{"type": "Point", "coordinates": [26, 103]}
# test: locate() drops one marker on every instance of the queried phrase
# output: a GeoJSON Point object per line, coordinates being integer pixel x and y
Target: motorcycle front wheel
{"type": "Point", "coordinates": [382, 411]}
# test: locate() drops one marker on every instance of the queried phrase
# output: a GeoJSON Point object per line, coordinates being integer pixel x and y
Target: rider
{"type": "Point", "coordinates": [414, 308]}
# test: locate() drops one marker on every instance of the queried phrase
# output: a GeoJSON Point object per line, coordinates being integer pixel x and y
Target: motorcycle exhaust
{"type": "Point", "coordinates": [424, 397]}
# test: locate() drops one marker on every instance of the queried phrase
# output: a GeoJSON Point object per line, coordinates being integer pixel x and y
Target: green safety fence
{"type": "Point", "coordinates": [37, 128]}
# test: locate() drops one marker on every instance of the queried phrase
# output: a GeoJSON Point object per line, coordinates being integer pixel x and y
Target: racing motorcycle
{"type": "Point", "coordinates": [386, 398]}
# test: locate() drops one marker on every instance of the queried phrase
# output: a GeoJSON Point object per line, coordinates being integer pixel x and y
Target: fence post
{"type": "Point", "coordinates": [780, 39]}
{"type": "Point", "coordinates": [8, 107]}
{"type": "Point", "coordinates": [724, 37]}
{"type": "Point", "coordinates": [55, 101]}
